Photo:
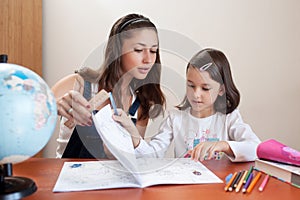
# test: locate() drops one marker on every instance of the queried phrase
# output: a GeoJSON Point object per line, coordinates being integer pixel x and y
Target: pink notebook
{"type": "Point", "coordinates": [276, 151]}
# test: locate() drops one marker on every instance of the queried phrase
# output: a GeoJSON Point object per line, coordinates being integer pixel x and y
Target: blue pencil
{"type": "Point", "coordinates": [113, 103]}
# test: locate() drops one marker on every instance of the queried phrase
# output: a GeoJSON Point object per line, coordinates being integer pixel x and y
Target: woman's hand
{"type": "Point", "coordinates": [207, 150]}
{"type": "Point", "coordinates": [75, 107]}
{"type": "Point", "coordinates": [127, 123]}
{"type": "Point", "coordinates": [70, 102]}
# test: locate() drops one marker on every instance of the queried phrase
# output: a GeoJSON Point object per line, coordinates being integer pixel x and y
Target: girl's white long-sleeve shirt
{"type": "Point", "coordinates": [187, 130]}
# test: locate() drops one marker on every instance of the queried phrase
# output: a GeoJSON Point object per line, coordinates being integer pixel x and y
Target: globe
{"type": "Point", "coordinates": [28, 113]}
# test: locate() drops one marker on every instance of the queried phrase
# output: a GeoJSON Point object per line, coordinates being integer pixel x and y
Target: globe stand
{"type": "Point", "coordinates": [14, 187]}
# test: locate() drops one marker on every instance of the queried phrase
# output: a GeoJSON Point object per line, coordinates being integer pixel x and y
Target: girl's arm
{"type": "Point", "coordinates": [158, 145]}
{"type": "Point", "coordinates": [238, 142]}
{"type": "Point", "coordinates": [127, 123]}
{"type": "Point", "coordinates": [242, 140]}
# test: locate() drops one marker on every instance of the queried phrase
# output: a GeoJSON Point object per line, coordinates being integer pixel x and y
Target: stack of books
{"type": "Point", "coordinates": [279, 161]}
{"type": "Point", "coordinates": [284, 172]}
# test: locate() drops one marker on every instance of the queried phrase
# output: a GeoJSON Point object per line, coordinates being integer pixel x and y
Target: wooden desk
{"type": "Point", "coordinates": [44, 171]}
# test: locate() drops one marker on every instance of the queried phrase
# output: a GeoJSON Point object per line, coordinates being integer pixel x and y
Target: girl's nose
{"type": "Point", "coordinates": [197, 92]}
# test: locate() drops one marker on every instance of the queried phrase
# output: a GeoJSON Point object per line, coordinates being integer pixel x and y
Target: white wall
{"type": "Point", "coordinates": [260, 38]}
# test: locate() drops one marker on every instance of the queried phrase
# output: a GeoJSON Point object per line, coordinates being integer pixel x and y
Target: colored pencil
{"type": "Point", "coordinates": [230, 181]}
{"type": "Point", "coordinates": [264, 183]}
{"type": "Point", "coordinates": [234, 181]}
{"type": "Point", "coordinates": [252, 184]}
{"type": "Point", "coordinates": [240, 174]}
{"type": "Point", "coordinates": [113, 103]}
{"type": "Point", "coordinates": [249, 172]}
{"type": "Point", "coordinates": [238, 187]}
{"type": "Point", "coordinates": [247, 183]}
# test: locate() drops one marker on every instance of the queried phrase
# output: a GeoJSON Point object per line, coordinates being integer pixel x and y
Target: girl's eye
{"type": "Point", "coordinates": [205, 89]}
{"type": "Point", "coordinates": [190, 85]}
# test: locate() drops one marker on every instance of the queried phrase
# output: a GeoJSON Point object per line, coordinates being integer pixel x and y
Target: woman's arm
{"type": "Point", "coordinates": [70, 102]}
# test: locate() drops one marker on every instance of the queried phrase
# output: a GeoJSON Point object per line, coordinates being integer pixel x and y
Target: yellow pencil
{"type": "Point", "coordinates": [238, 187]}
{"type": "Point", "coordinates": [252, 184]}
{"type": "Point", "coordinates": [230, 181]}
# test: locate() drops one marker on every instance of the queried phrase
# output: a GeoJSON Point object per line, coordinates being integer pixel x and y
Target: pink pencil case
{"type": "Point", "coordinates": [276, 151]}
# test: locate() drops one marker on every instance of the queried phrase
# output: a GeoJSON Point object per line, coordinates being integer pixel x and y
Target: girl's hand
{"type": "Point", "coordinates": [124, 120]}
{"type": "Point", "coordinates": [75, 107]}
{"type": "Point", "coordinates": [127, 123]}
{"type": "Point", "coordinates": [108, 154]}
{"type": "Point", "coordinates": [206, 150]}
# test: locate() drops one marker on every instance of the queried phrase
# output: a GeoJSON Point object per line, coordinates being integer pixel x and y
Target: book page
{"type": "Point", "coordinates": [148, 171]}
{"type": "Point", "coordinates": [155, 171]}
{"type": "Point", "coordinates": [98, 175]}
{"type": "Point", "coordinates": [93, 175]}
{"type": "Point", "coordinates": [287, 167]}
{"type": "Point", "coordinates": [127, 171]}
{"type": "Point", "coordinates": [291, 168]}
{"type": "Point", "coordinates": [116, 139]}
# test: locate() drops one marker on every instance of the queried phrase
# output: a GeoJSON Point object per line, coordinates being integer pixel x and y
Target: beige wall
{"type": "Point", "coordinates": [260, 38]}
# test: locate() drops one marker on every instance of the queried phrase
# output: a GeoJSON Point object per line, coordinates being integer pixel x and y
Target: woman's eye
{"type": "Point", "coordinates": [190, 85]}
{"type": "Point", "coordinates": [153, 50]}
{"type": "Point", "coordinates": [138, 50]}
{"type": "Point", "coordinates": [205, 89]}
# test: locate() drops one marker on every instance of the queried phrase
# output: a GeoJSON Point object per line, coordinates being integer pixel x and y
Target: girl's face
{"type": "Point", "coordinates": [139, 53]}
{"type": "Point", "coordinates": [202, 92]}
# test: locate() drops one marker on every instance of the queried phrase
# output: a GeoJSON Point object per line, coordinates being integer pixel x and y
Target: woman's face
{"type": "Point", "coordinates": [202, 91]}
{"type": "Point", "coordinates": [139, 53]}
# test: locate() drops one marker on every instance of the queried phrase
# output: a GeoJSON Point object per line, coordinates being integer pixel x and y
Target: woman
{"type": "Point", "coordinates": [131, 71]}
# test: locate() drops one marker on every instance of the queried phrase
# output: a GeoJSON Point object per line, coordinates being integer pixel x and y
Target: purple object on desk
{"type": "Point", "coordinates": [248, 182]}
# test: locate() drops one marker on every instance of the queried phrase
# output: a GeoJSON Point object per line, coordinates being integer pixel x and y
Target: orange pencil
{"type": "Point", "coordinates": [252, 184]}
{"type": "Point", "coordinates": [238, 187]}
{"type": "Point", "coordinates": [230, 181]}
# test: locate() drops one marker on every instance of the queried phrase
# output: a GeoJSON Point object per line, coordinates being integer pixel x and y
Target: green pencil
{"type": "Point", "coordinates": [248, 174]}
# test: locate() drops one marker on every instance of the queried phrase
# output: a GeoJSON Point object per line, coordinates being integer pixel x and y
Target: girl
{"type": "Point", "coordinates": [207, 121]}
{"type": "Point", "coordinates": [131, 71]}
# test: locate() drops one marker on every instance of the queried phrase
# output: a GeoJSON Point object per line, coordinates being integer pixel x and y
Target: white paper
{"type": "Point", "coordinates": [155, 171]}
{"type": "Point", "coordinates": [116, 139]}
{"type": "Point", "coordinates": [127, 171]}
{"type": "Point", "coordinates": [97, 175]}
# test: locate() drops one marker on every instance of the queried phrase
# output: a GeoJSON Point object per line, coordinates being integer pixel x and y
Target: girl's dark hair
{"type": "Point", "coordinates": [216, 64]}
{"type": "Point", "coordinates": [110, 73]}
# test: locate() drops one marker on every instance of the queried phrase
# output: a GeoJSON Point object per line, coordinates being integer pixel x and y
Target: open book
{"type": "Point", "coordinates": [127, 171]}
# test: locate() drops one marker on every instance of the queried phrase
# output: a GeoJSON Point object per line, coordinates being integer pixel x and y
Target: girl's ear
{"type": "Point", "coordinates": [222, 90]}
